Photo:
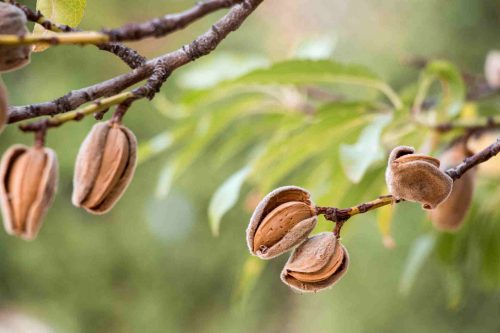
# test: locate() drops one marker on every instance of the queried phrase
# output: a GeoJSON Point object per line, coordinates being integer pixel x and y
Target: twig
{"type": "Point", "coordinates": [338, 215]}
{"type": "Point", "coordinates": [470, 162]}
{"type": "Point", "coordinates": [95, 107]}
{"type": "Point", "coordinates": [130, 56]}
{"type": "Point", "coordinates": [201, 46]}
{"type": "Point", "coordinates": [157, 27]}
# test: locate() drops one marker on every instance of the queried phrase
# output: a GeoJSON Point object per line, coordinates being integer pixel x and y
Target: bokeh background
{"type": "Point", "coordinates": [152, 264]}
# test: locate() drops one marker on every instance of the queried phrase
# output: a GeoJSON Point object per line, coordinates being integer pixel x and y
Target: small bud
{"type": "Point", "coordinates": [282, 220]}
{"type": "Point", "coordinates": [104, 167]}
{"type": "Point", "coordinates": [417, 178]}
{"type": "Point", "coordinates": [316, 264]}
{"type": "Point", "coordinates": [28, 184]}
{"type": "Point", "coordinates": [13, 21]}
{"type": "Point", "coordinates": [4, 106]}
{"type": "Point", "coordinates": [450, 215]}
{"type": "Point", "coordinates": [492, 69]}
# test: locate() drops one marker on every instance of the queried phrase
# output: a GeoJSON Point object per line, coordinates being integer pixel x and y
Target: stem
{"type": "Point", "coordinates": [83, 37]}
{"type": "Point", "coordinates": [157, 27]}
{"type": "Point", "coordinates": [97, 106]}
{"type": "Point", "coordinates": [340, 216]}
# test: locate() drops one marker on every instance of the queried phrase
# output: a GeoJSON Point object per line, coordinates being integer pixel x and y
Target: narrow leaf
{"type": "Point", "coordinates": [225, 198]}
{"type": "Point", "coordinates": [154, 146]}
{"type": "Point", "coordinates": [419, 253]}
{"type": "Point", "coordinates": [247, 280]}
{"type": "Point", "coordinates": [452, 87]}
{"type": "Point", "coordinates": [454, 285]}
{"type": "Point", "coordinates": [320, 71]}
{"type": "Point", "coordinates": [357, 158]}
{"type": "Point", "coordinates": [165, 180]}
{"type": "Point", "coordinates": [385, 217]}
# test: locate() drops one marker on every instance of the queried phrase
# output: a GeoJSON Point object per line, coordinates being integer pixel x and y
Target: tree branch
{"type": "Point", "coordinates": [341, 215]}
{"type": "Point", "coordinates": [157, 27]}
{"type": "Point", "coordinates": [201, 46]}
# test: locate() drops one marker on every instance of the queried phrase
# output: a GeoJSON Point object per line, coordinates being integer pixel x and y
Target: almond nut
{"type": "Point", "coordinates": [28, 184]}
{"type": "Point", "coordinates": [417, 178]}
{"type": "Point", "coordinates": [282, 220]}
{"type": "Point", "coordinates": [450, 215]}
{"type": "Point", "coordinates": [104, 167]}
{"type": "Point", "coordinates": [316, 264]}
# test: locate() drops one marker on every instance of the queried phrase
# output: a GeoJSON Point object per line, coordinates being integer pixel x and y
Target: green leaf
{"type": "Point", "coordinates": [316, 48]}
{"type": "Point", "coordinates": [452, 86]}
{"type": "Point", "coordinates": [225, 198]}
{"type": "Point", "coordinates": [419, 253]}
{"type": "Point", "coordinates": [385, 216]}
{"type": "Point", "coordinates": [154, 146]}
{"type": "Point", "coordinates": [321, 71]}
{"type": "Point", "coordinates": [213, 124]}
{"type": "Point", "coordinates": [165, 180]}
{"type": "Point", "coordinates": [288, 150]}
{"type": "Point", "coordinates": [357, 158]}
{"type": "Point", "coordinates": [247, 280]}
{"type": "Point", "coordinates": [69, 12]}
{"type": "Point", "coordinates": [454, 286]}
{"type": "Point", "coordinates": [218, 67]}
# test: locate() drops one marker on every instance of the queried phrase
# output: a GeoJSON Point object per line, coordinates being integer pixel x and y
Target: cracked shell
{"type": "Point", "coordinates": [417, 178]}
{"type": "Point", "coordinates": [316, 264]}
{"type": "Point", "coordinates": [282, 220]}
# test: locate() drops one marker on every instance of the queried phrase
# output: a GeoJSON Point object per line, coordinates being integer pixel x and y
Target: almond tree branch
{"type": "Point", "coordinates": [130, 56]}
{"type": "Point", "coordinates": [201, 46]}
{"type": "Point", "coordinates": [157, 27]}
{"type": "Point", "coordinates": [341, 215]}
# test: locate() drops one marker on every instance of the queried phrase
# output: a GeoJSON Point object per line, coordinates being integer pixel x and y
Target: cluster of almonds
{"type": "Point", "coordinates": [284, 219]}
{"type": "Point", "coordinates": [29, 176]}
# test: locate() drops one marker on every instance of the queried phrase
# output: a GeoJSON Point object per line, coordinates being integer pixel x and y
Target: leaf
{"type": "Point", "coordinates": [223, 116]}
{"type": "Point", "coordinates": [225, 198]}
{"type": "Point", "coordinates": [316, 48]}
{"type": "Point", "coordinates": [385, 216]}
{"type": "Point", "coordinates": [154, 146]}
{"type": "Point", "coordinates": [320, 71]}
{"type": "Point", "coordinates": [165, 181]}
{"type": "Point", "coordinates": [452, 86]}
{"type": "Point", "coordinates": [419, 253]}
{"type": "Point", "coordinates": [290, 149]}
{"type": "Point", "coordinates": [221, 66]}
{"type": "Point", "coordinates": [357, 158]}
{"type": "Point", "coordinates": [247, 280]}
{"type": "Point", "coordinates": [454, 285]}
{"type": "Point", "coordinates": [68, 12]}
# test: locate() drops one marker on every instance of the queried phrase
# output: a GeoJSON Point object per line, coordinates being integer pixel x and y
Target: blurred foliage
{"type": "Point", "coordinates": [260, 112]}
